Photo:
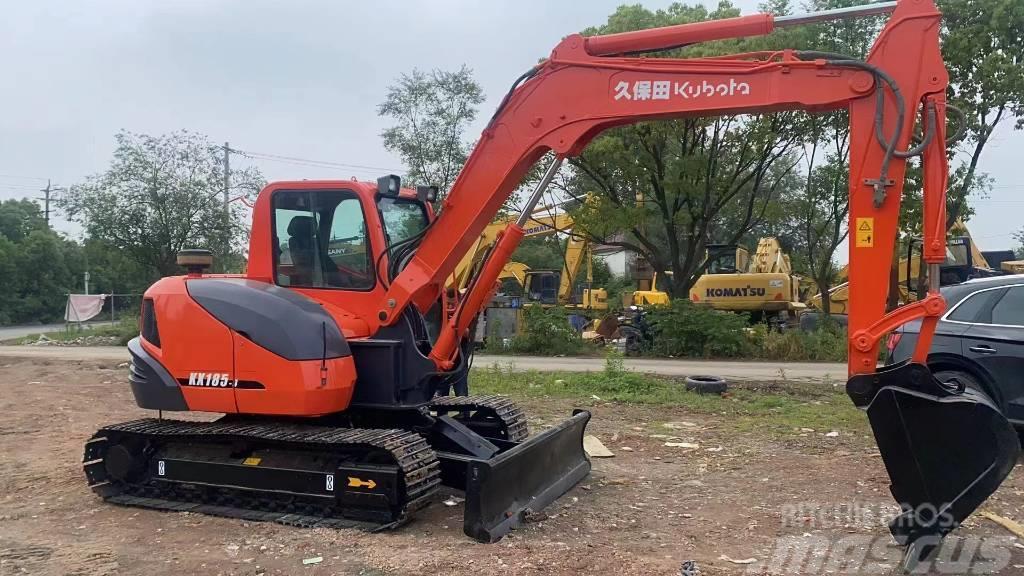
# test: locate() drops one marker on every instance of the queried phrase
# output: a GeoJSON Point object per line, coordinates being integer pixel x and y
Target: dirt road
{"type": "Point", "coordinates": [645, 511]}
{"type": "Point", "coordinates": [732, 369]}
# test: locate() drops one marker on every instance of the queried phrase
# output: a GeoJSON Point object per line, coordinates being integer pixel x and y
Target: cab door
{"type": "Point", "coordinates": [995, 341]}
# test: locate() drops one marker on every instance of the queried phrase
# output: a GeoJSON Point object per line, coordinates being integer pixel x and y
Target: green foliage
{"type": "Point", "coordinates": [686, 329]}
{"type": "Point", "coordinates": [665, 189]}
{"type": "Point", "coordinates": [431, 112]}
{"type": "Point", "coordinates": [827, 344]}
{"type": "Point", "coordinates": [983, 51]}
{"type": "Point", "coordinates": [162, 194]}
{"type": "Point", "coordinates": [541, 252]}
{"type": "Point", "coordinates": [547, 331]}
{"type": "Point", "coordinates": [19, 218]}
{"type": "Point", "coordinates": [38, 267]}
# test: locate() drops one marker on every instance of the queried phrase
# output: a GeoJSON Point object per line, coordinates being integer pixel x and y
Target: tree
{"type": "Point", "coordinates": [431, 113]}
{"type": "Point", "coordinates": [984, 53]}
{"type": "Point", "coordinates": [666, 189]}
{"type": "Point", "coordinates": [37, 265]}
{"type": "Point", "coordinates": [817, 214]}
{"type": "Point", "coordinates": [161, 194]}
{"type": "Point", "coordinates": [18, 218]}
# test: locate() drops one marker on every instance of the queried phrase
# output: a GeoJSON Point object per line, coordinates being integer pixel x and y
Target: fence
{"type": "Point", "coordinates": [116, 307]}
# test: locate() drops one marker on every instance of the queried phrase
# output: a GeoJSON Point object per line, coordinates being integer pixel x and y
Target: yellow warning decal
{"type": "Point", "coordinates": [865, 233]}
{"type": "Point", "coordinates": [354, 482]}
{"type": "Point", "coordinates": [252, 461]}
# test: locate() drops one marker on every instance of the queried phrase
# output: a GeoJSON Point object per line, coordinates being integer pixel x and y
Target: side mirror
{"type": "Point", "coordinates": [195, 260]}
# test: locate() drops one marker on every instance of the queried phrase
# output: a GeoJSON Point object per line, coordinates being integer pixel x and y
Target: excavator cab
{"type": "Point", "coordinates": [541, 286]}
{"type": "Point", "coordinates": [727, 259]}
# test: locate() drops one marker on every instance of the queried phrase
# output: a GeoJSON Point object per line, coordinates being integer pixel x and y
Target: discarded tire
{"type": "Point", "coordinates": [706, 384]}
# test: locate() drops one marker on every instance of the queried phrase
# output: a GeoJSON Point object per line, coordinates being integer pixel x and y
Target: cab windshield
{"type": "Point", "coordinates": [722, 260]}
{"type": "Point", "coordinates": [402, 218]}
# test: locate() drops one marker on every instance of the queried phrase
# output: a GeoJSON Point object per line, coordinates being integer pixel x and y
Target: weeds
{"type": "Point", "coordinates": [826, 344]}
{"type": "Point", "coordinates": [547, 331]}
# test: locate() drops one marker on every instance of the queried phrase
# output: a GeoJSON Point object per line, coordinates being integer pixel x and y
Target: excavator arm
{"type": "Point", "coordinates": [945, 448]}
{"type": "Point", "coordinates": [581, 90]}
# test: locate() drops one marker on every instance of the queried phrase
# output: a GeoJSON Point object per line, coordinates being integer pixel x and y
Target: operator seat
{"type": "Point", "coordinates": [301, 248]}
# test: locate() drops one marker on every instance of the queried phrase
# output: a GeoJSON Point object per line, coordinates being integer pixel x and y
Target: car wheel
{"type": "Point", "coordinates": [971, 381]}
{"type": "Point", "coordinates": [706, 384]}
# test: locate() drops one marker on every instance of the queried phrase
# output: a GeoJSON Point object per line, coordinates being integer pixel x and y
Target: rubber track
{"type": "Point", "coordinates": [511, 415]}
{"type": "Point", "coordinates": [416, 459]}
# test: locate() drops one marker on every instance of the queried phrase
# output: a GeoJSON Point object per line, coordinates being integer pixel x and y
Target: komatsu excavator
{"type": "Point", "coordinates": [323, 365]}
{"type": "Point", "coordinates": [764, 285]}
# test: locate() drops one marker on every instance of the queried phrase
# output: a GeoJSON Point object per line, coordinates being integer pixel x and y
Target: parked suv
{"type": "Point", "coordinates": [979, 341]}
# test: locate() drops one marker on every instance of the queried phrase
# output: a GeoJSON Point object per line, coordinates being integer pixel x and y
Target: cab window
{"type": "Point", "coordinates": [320, 240]}
{"type": "Point", "coordinates": [723, 262]}
{"type": "Point", "coordinates": [402, 218]}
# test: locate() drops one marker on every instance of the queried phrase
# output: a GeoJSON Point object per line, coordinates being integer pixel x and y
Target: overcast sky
{"type": "Point", "coordinates": [299, 79]}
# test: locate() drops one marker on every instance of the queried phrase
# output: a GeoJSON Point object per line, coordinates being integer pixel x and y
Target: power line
{"type": "Point", "coordinates": [17, 177]}
{"type": "Point", "coordinates": [311, 162]}
{"type": "Point", "coordinates": [19, 187]}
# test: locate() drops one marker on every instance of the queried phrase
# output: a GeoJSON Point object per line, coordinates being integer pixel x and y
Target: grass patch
{"type": "Point", "coordinates": [773, 407]}
{"type": "Point", "coordinates": [124, 330]}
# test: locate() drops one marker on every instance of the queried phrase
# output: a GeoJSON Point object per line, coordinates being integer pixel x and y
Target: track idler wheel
{"type": "Point", "coordinates": [125, 461]}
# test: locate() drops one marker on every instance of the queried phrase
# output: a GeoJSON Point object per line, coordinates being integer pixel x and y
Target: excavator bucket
{"type": "Point", "coordinates": [946, 448]}
{"type": "Point", "coordinates": [520, 479]}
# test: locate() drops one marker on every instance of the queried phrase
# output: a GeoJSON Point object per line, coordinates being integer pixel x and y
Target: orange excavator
{"type": "Point", "coordinates": [329, 359]}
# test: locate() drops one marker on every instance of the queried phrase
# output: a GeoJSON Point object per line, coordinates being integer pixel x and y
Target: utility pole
{"type": "Point", "coordinates": [46, 201]}
{"type": "Point", "coordinates": [227, 176]}
{"type": "Point", "coordinates": [227, 213]}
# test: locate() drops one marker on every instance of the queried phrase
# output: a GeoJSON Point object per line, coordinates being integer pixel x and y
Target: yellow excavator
{"type": "Point", "coordinates": [963, 261]}
{"type": "Point", "coordinates": [764, 285]}
{"type": "Point", "coordinates": [544, 287]}
{"type": "Point", "coordinates": [648, 294]}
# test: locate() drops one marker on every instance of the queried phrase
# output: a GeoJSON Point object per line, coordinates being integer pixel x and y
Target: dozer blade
{"type": "Point", "coordinates": [946, 449]}
{"type": "Point", "coordinates": [521, 478]}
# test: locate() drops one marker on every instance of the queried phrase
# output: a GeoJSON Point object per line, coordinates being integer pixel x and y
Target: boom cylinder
{"type": "Point", "coordinates": [668, 37]}
{"type": "Point", "coordinates": [483, 286]}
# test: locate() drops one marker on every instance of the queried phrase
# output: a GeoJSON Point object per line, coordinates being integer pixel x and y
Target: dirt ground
{"type": "Point", "coordinates": [645, 511]}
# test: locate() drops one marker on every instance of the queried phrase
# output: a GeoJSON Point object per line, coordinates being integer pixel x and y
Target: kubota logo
{"type": "Point", "coordinates": [667, 89]}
